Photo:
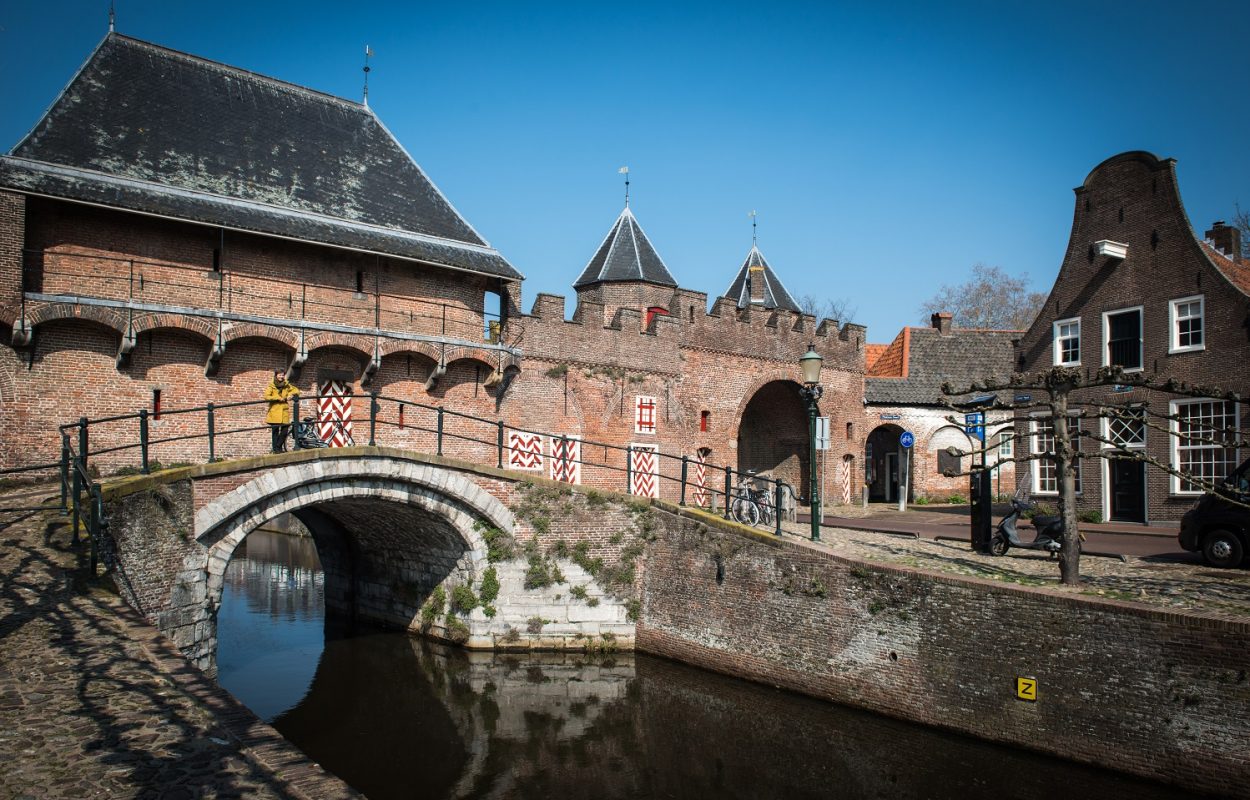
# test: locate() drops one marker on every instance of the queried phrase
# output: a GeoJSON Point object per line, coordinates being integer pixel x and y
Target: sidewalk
{"type": "Point", "coordinates": [96, 703]}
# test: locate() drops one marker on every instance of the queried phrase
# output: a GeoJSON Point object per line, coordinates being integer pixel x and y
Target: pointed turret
{"type": "Point", "coordinates": [757, 284]}
{"type": "Point", "coordinates": [626, 255]}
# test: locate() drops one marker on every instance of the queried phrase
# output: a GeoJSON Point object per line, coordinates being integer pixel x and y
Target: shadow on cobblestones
{"type": "Point", "coordinates": [88, 710]}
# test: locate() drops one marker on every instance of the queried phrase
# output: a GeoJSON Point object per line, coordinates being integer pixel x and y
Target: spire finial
{"type": "Point", "coordinates": [753, 237]}
{"type": "Point", "coordinates": [625, 171]}
{"type": "Point", "coordinates": [368, 55]}
{"type": "Point", "coordinates": [112, 17]}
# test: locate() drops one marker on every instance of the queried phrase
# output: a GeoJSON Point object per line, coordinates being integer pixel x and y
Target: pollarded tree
{"type": "Point", "coordinates": [1063, 405]}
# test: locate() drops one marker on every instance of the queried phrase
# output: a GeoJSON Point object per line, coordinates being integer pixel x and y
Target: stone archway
{"type": "Point", "coordinates": [884, 462]}
{"type": "Point", "coordinates": [773, 434]}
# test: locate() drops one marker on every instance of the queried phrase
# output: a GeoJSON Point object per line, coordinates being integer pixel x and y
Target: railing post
{"type": "Point", "coordinates": [499, 436]}
{"type": "Point", "coordinates": [64, 473]}
{"type": "Point", "coordinates": [777, 504]}
{"type": "Point", "coordinates": [685, 466]}
{"type": "Point", "coordinates": [373, 418]}
{"type": "Point", "coordinates": [212, 433]}
{"type": "Point", "coordinates": [728, 488]}
{"type": "Point", "coordinates": [629, 469]}
{"type": "Point", "coordinates": [143, 441]}
{"type": "Point", "coordinates": [83, 442]}
{"type": "Point", "coordinates": [93, 531]}
{"type": "Point", "coordinates": [295, 420]}
{"type": "Point", "coordinates": [439, 435]}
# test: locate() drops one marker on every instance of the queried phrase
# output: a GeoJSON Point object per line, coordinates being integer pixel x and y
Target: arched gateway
{"type": "Point", "coordinates": [773, 434]}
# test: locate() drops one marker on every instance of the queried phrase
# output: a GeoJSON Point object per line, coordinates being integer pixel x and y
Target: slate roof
{"type": "Point", "coordinates": [930, 358]}
{"type": "Point", "coordinates": [775, 295]}
{"type": "Point", "coordinates": [148, 129]}
{"type": "Point", "coordinates": [626, 255]}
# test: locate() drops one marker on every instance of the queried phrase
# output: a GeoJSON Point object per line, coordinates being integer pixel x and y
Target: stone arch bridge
{"type": "Point", "coordinates": [401, 536]}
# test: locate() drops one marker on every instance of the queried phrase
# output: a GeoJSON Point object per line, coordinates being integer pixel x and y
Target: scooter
{"type": "Point", "coordinates": [1048, 537]}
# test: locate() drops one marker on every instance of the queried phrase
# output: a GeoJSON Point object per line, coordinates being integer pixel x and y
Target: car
{"type": "Point", "coordinates": [1218, 525]}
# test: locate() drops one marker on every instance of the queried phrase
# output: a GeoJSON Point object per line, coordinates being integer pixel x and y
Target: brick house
{"type": "Point", "coordinates": [903, 391]}
{"type": "Point", "coordinates": [173, 230]}
{"type": "Point", "coordinates": [1138, 289]}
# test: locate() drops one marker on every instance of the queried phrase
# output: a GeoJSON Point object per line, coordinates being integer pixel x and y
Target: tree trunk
{"type": "Point", "coordinates": [1065, 465]}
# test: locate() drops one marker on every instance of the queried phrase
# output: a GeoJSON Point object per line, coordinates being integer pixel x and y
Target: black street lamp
{"type": "Point", "coordinates": [811, 392]}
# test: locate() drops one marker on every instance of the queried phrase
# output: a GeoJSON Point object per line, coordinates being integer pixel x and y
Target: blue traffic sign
{"type": "Point", "coordinates": [906, 439]}
{"type": "Point", "coordinates": [974, 423]}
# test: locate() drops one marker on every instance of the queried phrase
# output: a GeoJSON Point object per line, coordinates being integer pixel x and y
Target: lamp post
{"type": "Point", "coordinates": [811, 392]}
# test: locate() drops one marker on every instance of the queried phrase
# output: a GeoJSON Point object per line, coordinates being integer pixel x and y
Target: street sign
{"type": "Point", "coordinates": [822, 433]}
{"type": "Point", "coordinates": [1024, 398]}
{"type": "Point", "coordinates": [974, 423]}
{"type": "Point", "coordinates": [906, 439]}
{"type": "Point", "coordinates": [891, 416]}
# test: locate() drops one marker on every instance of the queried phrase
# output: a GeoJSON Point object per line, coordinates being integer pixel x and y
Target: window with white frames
{"type": "Point", "coordinates": [1203, 445]}
{"type": "Point", "coordinates": [1124, 427]}
{"type": "Point", "coordinates": [1067, 342]}
{"type": "Point", "coordinates": [1006, 444]}
{"type": "Point", "coordinates": [1122, 339]}
{"type": "Point", "coordinates": [1187, 325]}
{"type": "Point", "coordinates": [1046, 473]}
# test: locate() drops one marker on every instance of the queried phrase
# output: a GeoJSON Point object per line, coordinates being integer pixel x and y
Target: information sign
{"type": "Point", "coordinates": [1026, 689]}
{"type": "Point", "coordinates": [906, 439]}
{"type": "Point", "coordinates": [822, 433]}
{"type": "Point", "coordinates": [974, 423]}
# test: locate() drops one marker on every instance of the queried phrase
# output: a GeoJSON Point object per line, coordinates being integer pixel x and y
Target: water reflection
{"type": "Point", "coordinates": [400, 717]}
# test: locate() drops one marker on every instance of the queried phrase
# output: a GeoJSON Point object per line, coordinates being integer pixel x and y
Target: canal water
{"type": "Point", "coordinates": [396, 716]}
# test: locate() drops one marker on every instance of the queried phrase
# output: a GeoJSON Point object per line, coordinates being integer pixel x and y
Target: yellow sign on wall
{"type": "Point", "coordinates": [1026, 689]}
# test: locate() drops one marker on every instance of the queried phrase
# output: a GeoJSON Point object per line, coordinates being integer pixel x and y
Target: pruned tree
{"type": "Point", "coordinates": [991, 299]}
{"type": "Point", "coordinates": [1062, 405]}
{"type": "Point", "coordinates": [828, 308]}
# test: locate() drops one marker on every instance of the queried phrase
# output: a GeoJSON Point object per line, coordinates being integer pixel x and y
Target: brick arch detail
{"type": "Point", "coordinates": [390, 347]}
{"type": "Point", "coordinates": [461, 352]}
{"type": "Point", "coordinates": [223, 523]}
{"type": "Point", "coordinates": [347, 341]}
{"type": "Point", "coordinates": [760, 382]}
{"type": "Point", "coordinates": [151, 322]}
{"type": "Point", "coordinates": [256, 330]}
{"type": "Point", "coordinates": [58, 312]}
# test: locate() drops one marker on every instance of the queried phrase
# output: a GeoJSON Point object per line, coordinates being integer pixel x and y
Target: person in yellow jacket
{"type": "Point", "coordinates": [278, 392]}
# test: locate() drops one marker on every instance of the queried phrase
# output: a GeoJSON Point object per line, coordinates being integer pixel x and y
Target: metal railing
{"type": "Point", "coordinates": [130, 281]}
{"type": "Point", "coordinates": [127, 443]}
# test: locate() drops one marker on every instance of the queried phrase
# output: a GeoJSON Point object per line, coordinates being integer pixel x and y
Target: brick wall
{"type": "Point", "coordinates": [1160, 694]}
{"type": "Point", "coordinates": [12, 240]}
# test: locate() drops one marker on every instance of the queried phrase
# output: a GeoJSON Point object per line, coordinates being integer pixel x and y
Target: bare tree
{"type": "Point", "coordinates": [990, 299]}
{"type": "Point", "coordinates": [1241, 220]}
{"type": "Point", "coordinates": [1060, 386]}
{"type": "Point", "coordinates": [828, 308]}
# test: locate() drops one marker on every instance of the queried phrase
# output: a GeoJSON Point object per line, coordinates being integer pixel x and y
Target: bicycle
{"type": "Point", "coordinates": [305, 433]}
{"type": "Point", "coordinates": [752, 503]}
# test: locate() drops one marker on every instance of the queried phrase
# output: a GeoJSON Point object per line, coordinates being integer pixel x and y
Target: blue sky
{"type": "Point", "coordinates": [887, 147]}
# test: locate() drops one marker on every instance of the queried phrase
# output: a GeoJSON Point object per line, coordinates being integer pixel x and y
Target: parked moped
{"type": "Point", "coordinates": [1048, 536]}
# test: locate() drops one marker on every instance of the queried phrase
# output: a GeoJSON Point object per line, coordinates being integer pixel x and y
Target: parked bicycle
{"type": "Point", "coordinates": [752, 501]}
{"type": "Point", "coordinates": [306, 437]}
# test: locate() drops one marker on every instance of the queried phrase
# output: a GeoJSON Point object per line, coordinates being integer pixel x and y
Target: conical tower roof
{"type": "Point", "coordinates": [626, 255]}
{"type": "Point", "coordinates": [756, 268]}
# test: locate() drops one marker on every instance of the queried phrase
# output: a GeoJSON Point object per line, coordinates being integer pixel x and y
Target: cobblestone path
{"type": "Point", "coordinates": [95, 703]}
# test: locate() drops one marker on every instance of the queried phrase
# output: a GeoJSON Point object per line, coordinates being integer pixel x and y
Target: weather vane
{"type": "Point", "coordinates": [368, 55]}
{"type": "Point", "coordinates": [112, 16]}
{"type": "Point", "coordinates": [752, 216]}
{"type": "Point", "coordinates": [625, 171]}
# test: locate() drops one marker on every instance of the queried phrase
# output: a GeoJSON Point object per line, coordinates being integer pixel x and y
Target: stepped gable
{"type": "Point", "coordinates": [148, 129]}
{"type": "Point", "coordinates": [774, 293]}
{"type": "Point", "coordinates": [924, 358]}
{"type": "Point", "coordinates": [626, 255]}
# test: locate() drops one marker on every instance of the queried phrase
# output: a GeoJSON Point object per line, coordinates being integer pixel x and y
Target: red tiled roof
{"type": "Point", "coordinates": [1237, 272]}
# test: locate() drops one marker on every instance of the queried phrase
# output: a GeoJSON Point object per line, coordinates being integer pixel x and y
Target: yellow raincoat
{"type": "Point", "coordinates": [279, 410]}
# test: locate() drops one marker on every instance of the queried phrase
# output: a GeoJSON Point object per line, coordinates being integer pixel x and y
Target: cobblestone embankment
{"type": "Point", "coordinates": [95, 703]}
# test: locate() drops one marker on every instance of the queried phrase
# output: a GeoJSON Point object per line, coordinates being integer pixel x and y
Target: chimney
{"type": "Point", "coordinates": [755, 285]}
{"type": "Point", "coordinates": [942, 321]}
{"type": "Point", "coordinates": [1226, 238]}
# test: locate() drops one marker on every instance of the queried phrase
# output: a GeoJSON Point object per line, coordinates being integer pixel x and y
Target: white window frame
{"type": "Point", "coordinates": [1057, 351]}
{"type": "Point", "coordinates": [1174, 457]}
{"type": "Point", "coordinates": [1036, 478]}
{"type": "Point", "coordinates": [1174, 345]}
{"type": "Point", "coordinates": [1106, 430]}
{"type": "Point", "coordinates": [1141, 337]}
{"type": "Point", "coordinates": [1006, 443]}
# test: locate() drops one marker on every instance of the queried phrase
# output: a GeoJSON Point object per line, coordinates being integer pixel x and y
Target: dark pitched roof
{"type": "Point", "coordinates": [626, 255]}
{"type": "Point", "coordinates": [960, 357]}
{"type": "Point", "coordinates": [152, 130]}
{"type": "Point", "coordinates": [775, 295]}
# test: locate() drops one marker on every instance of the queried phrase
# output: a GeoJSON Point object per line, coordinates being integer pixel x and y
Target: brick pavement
{"type": "Point", "coordinates": [96, 703]}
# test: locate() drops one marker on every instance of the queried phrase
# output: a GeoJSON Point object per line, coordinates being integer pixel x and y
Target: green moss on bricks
{"type": "Point", "coordinates": [489, 589]}
{"type": "Point", "coordinates": [463, 600]}
{"type": "Point", "coordinates": [433, 606]}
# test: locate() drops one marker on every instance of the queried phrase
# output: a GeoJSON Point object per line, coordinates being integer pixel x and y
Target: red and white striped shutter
{"type": "Point", "coordinates": [645, 471]}
{"type": "Point", "coordinates": [644, 414]}
{"type": "Point", "coordinates": [335, 404]}
{"type": "Point", "coordinates": [525, 451]}
{"type": "Point", "coordinates": [566, 459]}
{"type": "Point", "coordinates": [699, 495]}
